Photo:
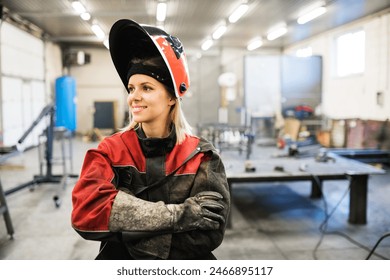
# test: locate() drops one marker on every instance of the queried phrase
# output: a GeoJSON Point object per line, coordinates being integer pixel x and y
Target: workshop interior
{"type": "Point", "coordinates": [294, 95]}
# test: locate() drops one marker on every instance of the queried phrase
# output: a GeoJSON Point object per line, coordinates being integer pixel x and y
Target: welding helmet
{"type": "Point", "coordinates": [129, 40]}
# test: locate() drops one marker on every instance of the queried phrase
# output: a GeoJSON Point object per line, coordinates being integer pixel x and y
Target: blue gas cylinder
{"type": "Point", "coordinates": [65, 95]}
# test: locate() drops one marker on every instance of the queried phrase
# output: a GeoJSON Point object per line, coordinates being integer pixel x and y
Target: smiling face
{"type": "Point", "coordinates": [150, 104]}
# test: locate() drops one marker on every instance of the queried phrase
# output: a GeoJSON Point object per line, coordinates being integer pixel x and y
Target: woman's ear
{"type": "Point", "coordinates": [172, 101]}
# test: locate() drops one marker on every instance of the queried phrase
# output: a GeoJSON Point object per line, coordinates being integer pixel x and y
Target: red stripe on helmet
{"type": "Point", "coordinates": [177, 66]}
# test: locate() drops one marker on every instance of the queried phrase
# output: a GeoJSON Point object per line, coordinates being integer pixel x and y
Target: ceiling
{"type": "Point", "coordinates": [192, 21]}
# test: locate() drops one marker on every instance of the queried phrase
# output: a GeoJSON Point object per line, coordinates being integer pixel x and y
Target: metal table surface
{"type": "Point", "coordinates": [271, 168]}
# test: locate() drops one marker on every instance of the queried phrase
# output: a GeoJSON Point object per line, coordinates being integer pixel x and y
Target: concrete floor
{"type": "Point", "coordinates": [270, 221]}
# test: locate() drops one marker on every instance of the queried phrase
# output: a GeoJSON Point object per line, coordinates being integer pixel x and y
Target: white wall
{"type": "Point", "coordinates": [29, 66]}
{"type": "Point", "coordinates": [97, 81]}
{"type": "Point", "coordinates": [355, 96]}
{"type": "Point", "coordinates": [22, 78]}
{"type": "Point", "coordinates": [53, 68]}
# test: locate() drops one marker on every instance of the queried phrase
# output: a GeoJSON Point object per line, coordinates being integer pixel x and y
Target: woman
{"type": "Point", "coordinates": [153, 190]}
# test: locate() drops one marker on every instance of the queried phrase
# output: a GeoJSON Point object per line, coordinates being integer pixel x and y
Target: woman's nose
{"type": "Point", "coordinates": [136, 95]}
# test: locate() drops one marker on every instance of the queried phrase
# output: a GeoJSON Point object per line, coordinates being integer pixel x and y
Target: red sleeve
{"type": "Point", "coordinates": [94, 193]}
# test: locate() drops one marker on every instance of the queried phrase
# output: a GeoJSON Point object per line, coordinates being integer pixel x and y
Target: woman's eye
{"type": "Point", "coordinates": [131, 90]}
{"type": "Point", "coordinates": [147, 88]}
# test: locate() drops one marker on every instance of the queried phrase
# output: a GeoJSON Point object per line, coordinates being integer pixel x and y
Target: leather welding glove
{"type": "Point", "coordinates": [198, 212]}
{"type": "Point", "coordinates": [138, 218]}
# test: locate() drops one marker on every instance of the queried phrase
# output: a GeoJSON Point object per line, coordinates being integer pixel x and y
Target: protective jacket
{"type": "Point", "coordinates": [125, 185]}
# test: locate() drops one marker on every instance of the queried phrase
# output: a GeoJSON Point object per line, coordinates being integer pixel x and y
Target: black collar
{"type": "Point", "coordinates": [154, 147]}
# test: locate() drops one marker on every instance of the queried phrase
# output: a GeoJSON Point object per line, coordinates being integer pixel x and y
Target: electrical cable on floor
{"type": "Point", "coordinates": [377, 244]}
{"type": "Point", "coordinates": [324, 225]}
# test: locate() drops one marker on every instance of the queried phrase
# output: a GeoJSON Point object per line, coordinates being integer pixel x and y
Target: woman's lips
{"type": "Point", "coordinates": [137, 109]}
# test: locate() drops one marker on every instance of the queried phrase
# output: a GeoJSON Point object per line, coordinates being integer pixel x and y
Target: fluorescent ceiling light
{"type": "Point", "coordinates": [219, 32]}
{"type": "Point", "coordinates": [161, 13]}
{"type": "Point", "coordinates": [311, 15]}
{"type": "Point", "coordinates": [78, 7]}
{"type": "Point", "coordinates": [98, 31]}
{"type": "Point", "coordinates": [238, 13]}
{"type": "Point", "coordinates": [276, 33]}
{"type": "Point", "coordinates": [85, 16]}
{"type": "Point", "coordinates": [81, 10]}
{"type": "Point", "coordinates": [207, 44]}
{"type": "Point", "coordinates": [257, 43]}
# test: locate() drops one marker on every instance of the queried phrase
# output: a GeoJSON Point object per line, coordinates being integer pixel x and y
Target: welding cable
{"type": "Point", "coordinates": [324, 224]}
{"type": "Point", "coordinates": [377, 244]}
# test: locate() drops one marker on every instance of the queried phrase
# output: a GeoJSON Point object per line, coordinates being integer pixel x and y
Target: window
{"type": "Point", "coordinates": [350, 53]}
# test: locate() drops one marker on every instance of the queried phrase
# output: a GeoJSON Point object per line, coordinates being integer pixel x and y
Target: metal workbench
{"type": "Point", "coordinates": [276, 168]}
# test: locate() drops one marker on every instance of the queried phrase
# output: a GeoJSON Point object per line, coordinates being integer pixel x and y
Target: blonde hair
{"type": "Point", "coordinates": [177, 117]}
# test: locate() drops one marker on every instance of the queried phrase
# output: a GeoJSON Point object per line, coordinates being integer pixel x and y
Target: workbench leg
{"type": "Point", "coordinates": [316, 188]}
{"type": "Point", "coordinates": [5, 212]}
{"type": "Point", "coordinates": [358, 199]}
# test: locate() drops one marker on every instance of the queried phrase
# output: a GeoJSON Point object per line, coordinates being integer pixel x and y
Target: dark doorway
{"type": "Point", "coordinates": [104, 117]}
